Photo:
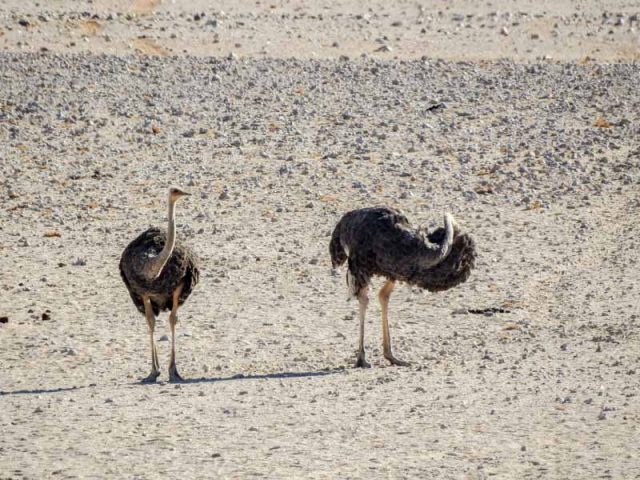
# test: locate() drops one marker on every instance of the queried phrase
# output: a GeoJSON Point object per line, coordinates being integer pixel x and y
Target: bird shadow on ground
{"type": "Point", "coordinates": [239, 376]}
{"type": "Point", "coordinates": [38, 391]}
{"type": "Point", "coordinates": [264, 376]}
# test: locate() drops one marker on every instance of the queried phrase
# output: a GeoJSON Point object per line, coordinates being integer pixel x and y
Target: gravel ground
{"type": "Point", "coordinates": [528, 370]}
{"type": "Point", "coordinates": [567, 30]}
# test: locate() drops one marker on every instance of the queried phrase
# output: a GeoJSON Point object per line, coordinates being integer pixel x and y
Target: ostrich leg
{"type": "Point", "coordinates": [151, 323]}
{"type": "Point", "coordinates": [174, 376]}
{"type": "Point", "coordinates": [383, 296]}
{"type": "Point", "coordinates": [363, 299]}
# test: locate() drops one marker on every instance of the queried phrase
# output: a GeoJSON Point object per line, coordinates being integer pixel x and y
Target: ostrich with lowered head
{"type": "Point", "coordinates": [160, 274]}
{"type": "Point", "coordinates": [380, 241]}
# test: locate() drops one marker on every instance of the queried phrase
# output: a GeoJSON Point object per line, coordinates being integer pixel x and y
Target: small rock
{"type": "Point", "coordinates": [4, 319]}
{"type": "Point", "coordinates": [163, 338]}
{"type": "Point", "coordinates": [504, 31]}
{"type": "Point", "coordinates": [24, 23]}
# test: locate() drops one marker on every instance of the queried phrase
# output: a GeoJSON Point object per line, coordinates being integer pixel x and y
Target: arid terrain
{"type": "Point", "coordinates": [520, 118]}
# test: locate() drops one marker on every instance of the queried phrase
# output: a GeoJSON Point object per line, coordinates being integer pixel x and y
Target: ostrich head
{"type": "Point", "coordinates": [175, 193]}
{"type": "Point", "coordinates": [438, 235]}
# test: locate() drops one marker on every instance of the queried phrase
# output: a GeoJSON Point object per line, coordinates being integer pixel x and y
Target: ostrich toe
{"type": "Point", "coordinates": [361, 362]}
{"type": "Point", "coordinates": [394, 361]}
{"type": "Point", "coordinates": [151, 378]}
{"type": "Point", "coordinates": [174, 376]}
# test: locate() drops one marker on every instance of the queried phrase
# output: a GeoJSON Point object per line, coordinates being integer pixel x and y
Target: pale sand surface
{"type": "Point", "coordinates": [539, 161]}
{"type": "Point", "coordinates": [565, 30]}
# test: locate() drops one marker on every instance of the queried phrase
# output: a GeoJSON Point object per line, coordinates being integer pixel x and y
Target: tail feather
{"type": "Point", "coordinates": [338, 255]}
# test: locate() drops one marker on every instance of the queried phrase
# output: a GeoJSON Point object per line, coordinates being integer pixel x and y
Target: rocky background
{"type": "Point", "coordinates": [522, 119]}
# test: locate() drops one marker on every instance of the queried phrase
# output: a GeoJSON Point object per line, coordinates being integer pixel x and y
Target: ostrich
{"type": "Point", "coordinates": [160, 274]}
{"type": "Point", "coordinates": [380, 241]}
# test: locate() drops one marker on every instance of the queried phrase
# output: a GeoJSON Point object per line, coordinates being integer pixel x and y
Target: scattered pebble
{"type": "Point", "coordinates": [384, 48]}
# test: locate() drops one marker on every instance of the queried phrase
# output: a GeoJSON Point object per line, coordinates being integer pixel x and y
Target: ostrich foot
{"type": "Point", "coordinates": [394, 361]}
{"type": "Point", "coordinates": [151, 378]}
{"type": "Point", "coordinates": [174, 376]}
{"type": "Point", "coordinates": [361, 362]}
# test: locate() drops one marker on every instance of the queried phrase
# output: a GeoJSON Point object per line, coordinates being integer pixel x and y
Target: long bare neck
{"type": "Point", "coordinates": [157, 263]}
{"type": "Point", "coordinates": [436, 255]}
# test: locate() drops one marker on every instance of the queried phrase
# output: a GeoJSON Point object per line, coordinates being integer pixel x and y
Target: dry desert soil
{"type": "Point", "coordinates": [521, 118]}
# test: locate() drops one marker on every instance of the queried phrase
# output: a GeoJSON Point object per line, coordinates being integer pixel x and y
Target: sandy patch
{"type": "Point", "coordinates": [144, 7]}
{"type": "Point", "coordinates": [146, 46]}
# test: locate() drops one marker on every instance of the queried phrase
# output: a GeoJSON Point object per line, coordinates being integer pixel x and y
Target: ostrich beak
{"type": "Point", "coordinates": [176, 193]}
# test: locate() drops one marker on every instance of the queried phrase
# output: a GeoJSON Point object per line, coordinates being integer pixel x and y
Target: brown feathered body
{"type": "Point", "coordinates": [381, 241]}
{"type": "Point", "coordinates": [181, 267]}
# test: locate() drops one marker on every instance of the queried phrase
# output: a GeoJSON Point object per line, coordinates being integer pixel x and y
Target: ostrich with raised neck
{"type": "Point", "coordinates": [381, 241]}
{"type": "Point", "coordinates": [160, 274]}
